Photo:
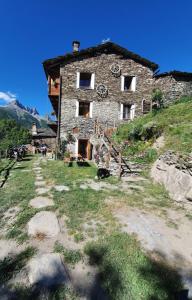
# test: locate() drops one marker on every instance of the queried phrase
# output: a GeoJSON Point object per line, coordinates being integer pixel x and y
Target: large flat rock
{"type": "Point", "coordinates": [61, 188]}
{"type": "Point", "coordinates": [40, 202]}
{"type": "Point", "coordinates": [40, 183]}
{"type": "Point", "coordinates": [43, 223]}
{"type": "Point", "coordinates": [47, 270]}
{"type": "Point", "coordinates": [42, 190]}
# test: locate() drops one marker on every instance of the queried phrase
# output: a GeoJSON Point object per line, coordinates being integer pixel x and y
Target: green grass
{"type": "Point", "coordinates": [127, 273]}
{"type": "Point", "coordinates": [175, 122]}
{"type": "Point", "coordinates": [70, 256]}
{"type": "Point", "coordinates": [18, 191]}
{"type": "Point", "coordinates": [11, 265]}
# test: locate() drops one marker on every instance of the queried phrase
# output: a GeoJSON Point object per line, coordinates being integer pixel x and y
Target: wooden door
{"type": "Point", "coordinates": [89, 150]}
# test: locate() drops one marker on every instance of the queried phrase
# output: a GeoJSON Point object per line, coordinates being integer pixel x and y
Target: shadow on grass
{"type": "Point", "coordinates": [151, 279]}
{"type": "Point", "coordinates": [83, 164]}
{"type": "Point", "coordinates": [54, 286]}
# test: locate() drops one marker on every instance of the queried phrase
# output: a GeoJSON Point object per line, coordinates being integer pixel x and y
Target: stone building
{"type": "Point", "coordinates": [104, 86]}
{"type": "Point", "coordinates": [43, 136]}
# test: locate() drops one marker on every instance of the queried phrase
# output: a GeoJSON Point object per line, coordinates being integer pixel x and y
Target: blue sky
{"type": "Point", "coordinates": [34, 30]}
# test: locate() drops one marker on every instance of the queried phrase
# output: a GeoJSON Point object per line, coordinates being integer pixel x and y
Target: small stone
{"type": "Point", "coordinates": [61, 188]}
{"type": "Point", "coordinates": [41, 191]}
{"type": "Point", "coordinates": [83, 186]}
{"type": "Point", "coordinates": [40, 183]}
{"type": "Point", "coordinates": [40, 202]}
{"type": "Point", "coordinates": [37, 168]}
{"type": "Point", "coordinates": [47, 270]}
{"type": "Point", "coordinates": [39, 177]}
{"type": "Point", "coordinates": [44, 223]}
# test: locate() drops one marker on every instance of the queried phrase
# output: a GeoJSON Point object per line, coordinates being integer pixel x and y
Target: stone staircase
{"type": "Point", "coordinates": [116, 164]}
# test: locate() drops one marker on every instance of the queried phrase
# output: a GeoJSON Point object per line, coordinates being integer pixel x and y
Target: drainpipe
{"type": "Point", "coordinates": [59, 118]}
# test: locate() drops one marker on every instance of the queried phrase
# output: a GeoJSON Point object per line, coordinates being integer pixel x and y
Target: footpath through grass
{"type": "Point", "coordinates": [17, 192]}
{"type": "Point", "coordinates": [124, 270]}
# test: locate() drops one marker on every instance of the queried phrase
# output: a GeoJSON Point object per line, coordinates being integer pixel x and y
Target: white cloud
{"type": "Point", "coordinates": [7, 97]}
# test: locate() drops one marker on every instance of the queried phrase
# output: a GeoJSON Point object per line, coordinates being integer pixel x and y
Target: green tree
{"type": "Point", "coordinates": [12, 134]}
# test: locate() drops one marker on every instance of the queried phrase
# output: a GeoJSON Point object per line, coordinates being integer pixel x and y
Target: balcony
{"type": "Point", "coordinates": [53, 86]}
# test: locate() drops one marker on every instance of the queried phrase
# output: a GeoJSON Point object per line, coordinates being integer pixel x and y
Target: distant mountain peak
{"type": "Point", "coordinates": [33, 111]}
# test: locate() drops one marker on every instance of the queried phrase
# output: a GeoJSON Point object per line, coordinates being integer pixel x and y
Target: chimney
{"type": "Point", "coordinates": [76, 46]}
{"type": "Point", "coordinates": [34, 129]}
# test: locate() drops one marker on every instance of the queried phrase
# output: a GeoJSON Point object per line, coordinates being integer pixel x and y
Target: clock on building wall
{"type": "Point", "coordinates": [115, 70]}
{"type": "Point", "coordinates": [102, 90]}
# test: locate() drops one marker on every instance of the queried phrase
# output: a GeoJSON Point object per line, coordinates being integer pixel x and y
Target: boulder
{"type": "Point", "coordinates": [176, 181]}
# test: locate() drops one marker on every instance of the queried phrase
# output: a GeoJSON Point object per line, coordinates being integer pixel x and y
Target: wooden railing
{"type": "Point", "coordinates": [115, 150]}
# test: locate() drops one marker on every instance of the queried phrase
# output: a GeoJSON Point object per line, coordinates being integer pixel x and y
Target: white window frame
{"type": "Point", "coordinates": [121, 111]}
{"type": "Point", "coordinates": [76, 146]}
{"type": "Point", "coordinates": [133, 83]}
{"type": "Point", "coordinates": [77, 109]}
{"type": "Point", "coordinates": [132, 112]}
{"type": "Point", "coordinates": [90, 109]}
{"type": "Point", "coordinates": [92, 84]}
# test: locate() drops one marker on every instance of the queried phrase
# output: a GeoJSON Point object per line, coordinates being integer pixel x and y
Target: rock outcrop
{"type": "Point", "coordinates": [175, 173]}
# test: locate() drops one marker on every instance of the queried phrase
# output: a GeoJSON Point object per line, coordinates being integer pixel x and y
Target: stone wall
{"type": "Point", "coordinates": [107, 110]}
{"type": "Point", "coordinates": [174, 88]}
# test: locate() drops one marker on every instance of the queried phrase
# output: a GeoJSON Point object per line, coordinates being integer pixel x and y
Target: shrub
{"type": "Point", "coordinates": [148, 131]}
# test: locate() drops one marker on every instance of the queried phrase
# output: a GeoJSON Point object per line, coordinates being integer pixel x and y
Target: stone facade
{"type": "Point", "coordinates": [106, 110]}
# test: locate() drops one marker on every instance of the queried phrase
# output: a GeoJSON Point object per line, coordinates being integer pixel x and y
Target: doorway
{"type": "Point", "coordinates": [85, 149]}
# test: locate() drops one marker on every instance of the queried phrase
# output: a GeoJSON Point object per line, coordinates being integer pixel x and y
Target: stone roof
{"type": "Point", "coordinates": [108, 48]}
{"type": "Point", "coordinates": [176, 74]}
{"type": "Point", "coordinates": [45, 132]}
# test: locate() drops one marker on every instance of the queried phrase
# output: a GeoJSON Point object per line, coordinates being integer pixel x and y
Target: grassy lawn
{"type": "Point", "coordinates": [17, 192]}
{"type": "Point", "coordinates": [125, 271]}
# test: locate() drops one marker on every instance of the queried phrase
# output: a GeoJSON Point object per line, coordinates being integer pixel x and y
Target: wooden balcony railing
{"type": "Point", "coordinates": [53, 86]}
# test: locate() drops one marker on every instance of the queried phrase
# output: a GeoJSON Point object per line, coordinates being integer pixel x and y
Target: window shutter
{"type": "Point", "coordinates": [133, 84]}
{"type": "Point", "coordinates": [77, 109]}
{"type": "Point", "coordinates": [132, 112]}
{"type": "Point", "coordinates": [91, 110]}
{"type": "Point", "coordinates": [121, 111]}
{"type": "Point", "coordinates": [92, 81]}
{"type": "Point", "coordinates": [122, 82]}
{"type": "Point", "coordinates": [78, 79]}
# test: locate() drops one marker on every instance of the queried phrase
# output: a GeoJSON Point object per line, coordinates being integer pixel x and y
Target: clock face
{"type": "Point", "coordinates": [102, 90]}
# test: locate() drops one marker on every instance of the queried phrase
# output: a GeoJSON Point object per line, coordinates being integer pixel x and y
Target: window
{"type": "Point", "coordinates": [127, 111]}
{"type": "Point", "coordinates": [84, 109]}
{"type": "Point", "coordinates": [128, 83]}
{"type": "Point", "coordinates": [85, 80]}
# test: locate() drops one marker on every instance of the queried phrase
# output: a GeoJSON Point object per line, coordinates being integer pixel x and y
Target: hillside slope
{"type": "Point", "coordinates": [174, 123]}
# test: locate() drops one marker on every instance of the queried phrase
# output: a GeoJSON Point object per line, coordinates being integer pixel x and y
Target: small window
{"type": "Point", "coordinates": [128, 83]}
{"type": "Point", "coordinates": [84, 109]}
{"type": "Point", "coordinates": [126, 111]}
{"type": "Point", "coordinates": [85, 80]}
